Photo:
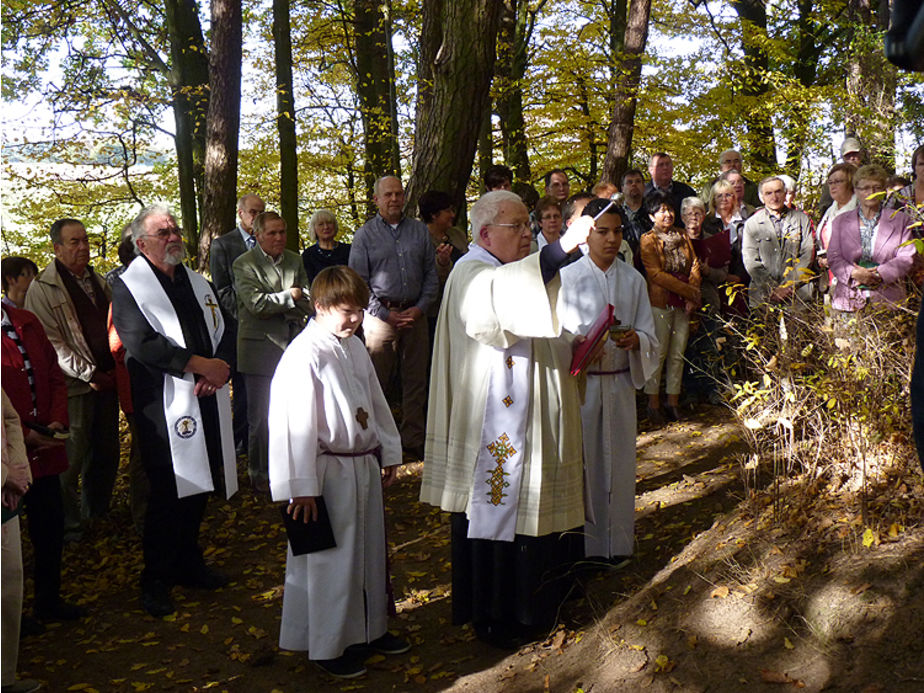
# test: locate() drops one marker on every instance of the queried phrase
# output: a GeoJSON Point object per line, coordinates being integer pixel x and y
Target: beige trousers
{"type": "Point", "coordinates": [672, 327]}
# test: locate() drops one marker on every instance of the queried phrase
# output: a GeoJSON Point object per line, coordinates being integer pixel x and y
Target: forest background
{"type": "Point", "coordinates": [110, 105]}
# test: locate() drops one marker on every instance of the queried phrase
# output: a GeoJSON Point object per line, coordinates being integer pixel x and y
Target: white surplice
{"type": "Point", "coordinates": [337, 597]}
{"type": "Point", "coordinates": [608, 414]}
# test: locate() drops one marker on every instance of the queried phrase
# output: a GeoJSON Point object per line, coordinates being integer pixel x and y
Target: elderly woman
{"type": "Point", "coordinates": [548, 214]}
{"type": "Point", "coordinates": [865, 253]}
{"type": "Point", "coordinates": [713, 250]}
{"type": "Point", "coordinates": [326, 252]}
{"type": "Point", "coordinates": [673, 275]}
{"type": "Point", "coordinates": [840, 184]}
{"type": "Point", "coordinates": [728, 209]}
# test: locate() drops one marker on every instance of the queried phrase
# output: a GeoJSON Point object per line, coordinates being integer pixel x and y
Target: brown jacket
{"type": "Point", "coordinates": [661, 283]}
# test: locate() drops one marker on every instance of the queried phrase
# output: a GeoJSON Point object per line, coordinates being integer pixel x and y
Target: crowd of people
{"type": "Point", "coordinates": [534, 463]}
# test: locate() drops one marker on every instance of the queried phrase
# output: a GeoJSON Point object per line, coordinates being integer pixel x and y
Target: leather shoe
{"type": "Point", "coordinates": [655, 417]}
{"type": "Point", "coordinates": [30, 626]}
{"type": "Point", "coordinates": [673, 413]}
{"type": "Point", "coordinates": [156, 601]}
{"type": "Point", "coordinates": [60, 611]}
{"type": "Point", "coordinates": [203, 577]}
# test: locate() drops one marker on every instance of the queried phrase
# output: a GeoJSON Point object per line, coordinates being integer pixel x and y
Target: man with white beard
{"type": "Point", "coordinates": [629, 358]}
{"type": "Point", "coordinates": [177, 353]}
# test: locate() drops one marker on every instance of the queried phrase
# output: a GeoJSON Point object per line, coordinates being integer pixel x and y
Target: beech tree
{"type": "Point", "coordinates": [457, 54]}
{"type": "Point", "coordinates": [223, 125]}
{"type": "Point", "coordinates": [285, 121]}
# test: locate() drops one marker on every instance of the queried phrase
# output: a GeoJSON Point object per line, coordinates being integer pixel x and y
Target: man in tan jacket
{"type": "Point", "coordinates": [72, 303]}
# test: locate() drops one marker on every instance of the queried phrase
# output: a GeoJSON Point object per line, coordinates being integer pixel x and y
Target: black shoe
{"type": "Point", "coordinates": [156, 600]}
{"type": "Point", "coordinates": [500, 635]}
{"type": "Point", "coordinates": [60, 611]}
{"type": "Point", "coordinates": [346, 666]}
{"type": "Point", "coordinates": [29, 626]}
{"type": "Point", "coordinates": [673, 413]}
{"type": "Point", "coordinates": [414, 452]}
{"type": "Point", "coordinates": [390, 644]}
{"type": "Point", "coordinates": [655, 417]}
{"type": "Point", "coordinates": [203, 577]}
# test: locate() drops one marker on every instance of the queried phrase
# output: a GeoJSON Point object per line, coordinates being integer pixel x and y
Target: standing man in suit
{"type": "Point", "coordinates": [273, 305]}
{"type": "Point", "coordinates": [224, 251]}
{"type": "Point", "coordinates": [778, 247]}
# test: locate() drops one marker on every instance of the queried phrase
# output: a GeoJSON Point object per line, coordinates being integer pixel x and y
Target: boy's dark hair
{"type": "Point", "coordinates": [432, 203]}
{"type": "Point", "coordinates": [597, 205]}
{"type": "Point", "coordinates": [567, 211]}
{"type": "Point", "coordinates": [495, 176]}
{"type": "Point", "coordinates": [12, 267]}
{"type": "Point", "coordinates": [339, 285]}
{"type": "Point", "coordinates": [126, 251]}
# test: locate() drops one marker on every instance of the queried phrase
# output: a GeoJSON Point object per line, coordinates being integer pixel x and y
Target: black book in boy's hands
{"type": "Point", "coordinates": [311, 536]}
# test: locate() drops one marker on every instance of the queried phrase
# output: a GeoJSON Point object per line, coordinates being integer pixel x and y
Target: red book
{"type": "Point", "coordinates": [596, 334]}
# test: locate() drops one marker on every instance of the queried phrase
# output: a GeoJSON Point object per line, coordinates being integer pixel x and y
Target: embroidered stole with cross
{"type": "Point", "coordinates": [501, 456]}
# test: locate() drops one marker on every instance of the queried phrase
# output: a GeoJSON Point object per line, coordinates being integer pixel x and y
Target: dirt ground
{"type": "Point", "coordinates": [730, 590]}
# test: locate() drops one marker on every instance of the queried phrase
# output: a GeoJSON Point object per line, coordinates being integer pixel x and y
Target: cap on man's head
{"type": "Point", "coordinates": [851, 144]}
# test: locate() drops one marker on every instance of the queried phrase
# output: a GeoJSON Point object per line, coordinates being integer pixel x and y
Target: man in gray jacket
{"type": "Point", "coordinates": [272, 301]}
{"type": "Point", "coordinates": [777, 248]}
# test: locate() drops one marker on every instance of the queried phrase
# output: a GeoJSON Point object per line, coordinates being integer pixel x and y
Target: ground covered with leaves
{"type": "Point", "coordinates": [740, 582]}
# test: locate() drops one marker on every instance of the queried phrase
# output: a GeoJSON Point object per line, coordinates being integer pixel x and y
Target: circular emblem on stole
{"type": "Point", "coordinates": [185, 427]}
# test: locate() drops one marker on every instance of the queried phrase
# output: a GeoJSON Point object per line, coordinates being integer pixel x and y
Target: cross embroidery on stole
{"type": "Point", "coordinates": [500, 449]}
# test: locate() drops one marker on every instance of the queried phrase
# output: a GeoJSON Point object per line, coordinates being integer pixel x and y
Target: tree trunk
{"type": "Point", "coordinates": [461, 63]}
{"type": "Point", "coordinates": [285, 122]}
{"type": "Point", "coordinates": [189, 79]}
{"type": "Point", "coordinates": [805, 69]}
{"type": "Point", "coordinates": [871, 82]}
{"type": "Point", "coordinates": [516, 27]}
{"type": "Point", "coordinates": [760, 145]}
{"type": "Point", "coordinates": [627, 75]}
{"type": "Point", "coordinates": [223, 125]}
{"type": "Point", "coordinates": [375, 86]}
{"type": "Point", "coordinates": [485, 142]}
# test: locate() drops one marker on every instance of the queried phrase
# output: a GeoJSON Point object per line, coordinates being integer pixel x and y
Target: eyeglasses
{"type": "Point", "coordinates": [165, 233]}
{"type": "Point", "coordinates": [522, 226]}
{"type": "Point", "coordinates": [875, 187]}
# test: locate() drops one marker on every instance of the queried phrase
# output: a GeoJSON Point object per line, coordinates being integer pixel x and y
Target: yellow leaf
{"type": "Point", "coordinates": [780, 579]}
{"type": "Point", "coordinates": [642, 622]}
{"type": "Point", "coordinates": [787, 643]}
{"type": "Point", "coordinates": [894, 529]}
{"type": "Point", "coordinates": [868, 537]}
{"type": "Point", "coordinates": [204, 630]}
{"type": "Point", "coordinates": [79, 687]}
{"type": "Point", "coordinates": [236, 621]}
{"type": "Point", "coordinates": [721, 592]}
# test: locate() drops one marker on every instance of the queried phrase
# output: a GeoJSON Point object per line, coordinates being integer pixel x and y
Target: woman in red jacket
{"type": "Point", "coordinates": [34, 383]}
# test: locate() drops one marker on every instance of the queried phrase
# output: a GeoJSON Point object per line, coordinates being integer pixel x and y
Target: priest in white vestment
{"type": "Point", "coordinates": [629, 358]}
{"type": "Point", "coordinates": [331, 434]}
{"type": "Point", "coordinates": [503, 450]}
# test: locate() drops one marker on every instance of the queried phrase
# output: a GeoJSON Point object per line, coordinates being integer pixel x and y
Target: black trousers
{"type": "Point", "coordinates": [239, 411]}
{"type": "Point", "coordinates": [44, 511]}
{"type": "Point", "coordinates": [516, 583]}
{"type": "Point", "coordinates": [171, 530]}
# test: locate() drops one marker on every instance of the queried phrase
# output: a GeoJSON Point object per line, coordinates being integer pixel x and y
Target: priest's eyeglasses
{"type": "Point", "coordinates": [522, 226]}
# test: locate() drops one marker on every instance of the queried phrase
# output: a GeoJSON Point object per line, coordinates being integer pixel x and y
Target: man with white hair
{"type": "Point", "coordinates": [177, 353]}
{"type": "Point", "coordinates": [503, 450]}
{"type": "Point", "coordinates": [778, 247]}
{"type": "Point", "coordinates": [731, 160]}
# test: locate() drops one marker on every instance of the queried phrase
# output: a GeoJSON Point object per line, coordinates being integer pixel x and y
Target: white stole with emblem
{"type": "Point", "coordinates": [499, 467]}
{"type": "Point", "coordinates": [181, 406]}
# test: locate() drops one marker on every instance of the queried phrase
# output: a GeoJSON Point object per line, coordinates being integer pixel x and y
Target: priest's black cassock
{"type": "Point", "coordinates": [171, 527]}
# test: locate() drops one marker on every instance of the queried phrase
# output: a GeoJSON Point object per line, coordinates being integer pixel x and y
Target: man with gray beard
{"type": "Point", "coordinates": [177, 353]}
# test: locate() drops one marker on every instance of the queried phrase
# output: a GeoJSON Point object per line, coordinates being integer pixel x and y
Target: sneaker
{"type": "Point", "coordinates": [343, 667]}
{"type": "Point", "coordinates": [390, 644]}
